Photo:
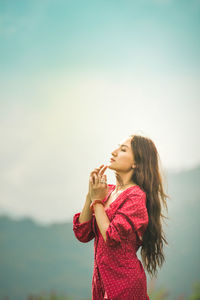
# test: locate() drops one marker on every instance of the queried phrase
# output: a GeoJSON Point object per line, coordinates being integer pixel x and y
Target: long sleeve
{"type": "Point", "coordinates": [83, 231]}
{"type": "Point", "coordinates": [131, 218]}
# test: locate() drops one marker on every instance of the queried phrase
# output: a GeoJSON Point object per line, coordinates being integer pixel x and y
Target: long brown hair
{"type": "Point", "coordinates": [148, 176]}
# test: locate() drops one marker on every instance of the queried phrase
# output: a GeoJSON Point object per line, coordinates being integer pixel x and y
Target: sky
{"type": "Point", "coordinates": [77, 77]}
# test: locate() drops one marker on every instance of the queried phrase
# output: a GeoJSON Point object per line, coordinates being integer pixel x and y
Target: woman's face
{"type": "Point", "coordinates": [122, 156]}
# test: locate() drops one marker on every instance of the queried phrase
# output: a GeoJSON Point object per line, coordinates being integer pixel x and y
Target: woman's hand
{"type": "Point", "coordinates": [96, 171]}
{"type": "Point", "coordinates": [98, 184]}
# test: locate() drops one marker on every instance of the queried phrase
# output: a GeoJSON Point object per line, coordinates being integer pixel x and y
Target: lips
{"type": "Point", "coordinates": [112, 159]}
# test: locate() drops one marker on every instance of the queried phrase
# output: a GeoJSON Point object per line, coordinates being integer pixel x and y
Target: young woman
{"type": "Point", "coordinates": [122, 218]}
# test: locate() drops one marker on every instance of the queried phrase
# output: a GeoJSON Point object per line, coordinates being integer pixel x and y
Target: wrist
{"type": "Point", "coordinates": [94, 202]}
{"type": "Point", "coordinates": [93, 199]}
{"type": "Point", "coordinates": [88, 198]}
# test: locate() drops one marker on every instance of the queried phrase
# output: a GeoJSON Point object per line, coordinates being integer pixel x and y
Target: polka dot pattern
{"type": "Point", "coordinates": [118, 274]}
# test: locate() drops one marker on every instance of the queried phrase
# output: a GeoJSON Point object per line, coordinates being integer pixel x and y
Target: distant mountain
{"type": "Point", "coordinates": [35, 258]}
{"type": "Point", "coordinates": [182, 266]}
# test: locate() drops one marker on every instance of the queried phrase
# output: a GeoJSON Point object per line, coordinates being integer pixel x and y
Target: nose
{"type": "Point", "coordinates": [114, 153]}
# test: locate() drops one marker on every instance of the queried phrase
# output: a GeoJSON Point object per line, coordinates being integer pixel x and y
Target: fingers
{"type": "Point", "coordinates": [104, 178]}
{"type": "Point", "coordinates": [95, 179]}
{"type": "Point", "coordinates": [96, 170]}
{"type": "Point", "coordinates": [98, 174]}
{"type": "Point", "coordinates": [91, 179]}
{"type": "Point", "coordinates": [102, 170]}
{"type": "Point", "coordinates": [99, 170]}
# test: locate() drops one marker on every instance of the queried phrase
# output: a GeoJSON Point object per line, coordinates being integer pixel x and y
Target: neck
{"type": "Point", "coordinates": [123, 180]}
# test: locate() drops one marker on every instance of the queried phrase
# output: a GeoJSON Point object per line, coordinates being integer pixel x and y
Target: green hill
{"type": "Point", "coordinates": [34, 258]}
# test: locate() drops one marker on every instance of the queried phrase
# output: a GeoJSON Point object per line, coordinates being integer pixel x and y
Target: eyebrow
{"type": "Point", "coordinates": [123, 145]}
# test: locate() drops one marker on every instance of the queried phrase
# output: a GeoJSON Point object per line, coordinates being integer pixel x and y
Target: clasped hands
{"type": "Point", "coordinates": [98, 188]}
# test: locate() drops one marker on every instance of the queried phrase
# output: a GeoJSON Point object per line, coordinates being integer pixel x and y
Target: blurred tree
{"type": "Point", "coordinates": [196, 291]}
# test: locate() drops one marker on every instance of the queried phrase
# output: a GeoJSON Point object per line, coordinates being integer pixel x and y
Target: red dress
{"type": "Point", "coordinates": [118, 274]}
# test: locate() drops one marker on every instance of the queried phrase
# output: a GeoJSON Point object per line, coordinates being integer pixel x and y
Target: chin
{"type": "Point", "coordinates": [111, 167]}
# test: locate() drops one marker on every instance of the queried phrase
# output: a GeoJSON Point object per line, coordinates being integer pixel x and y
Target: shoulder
{"type": "Point", "coordinates": [136, 190]}
{"type": "Point", "coordinates": [136, 193]}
